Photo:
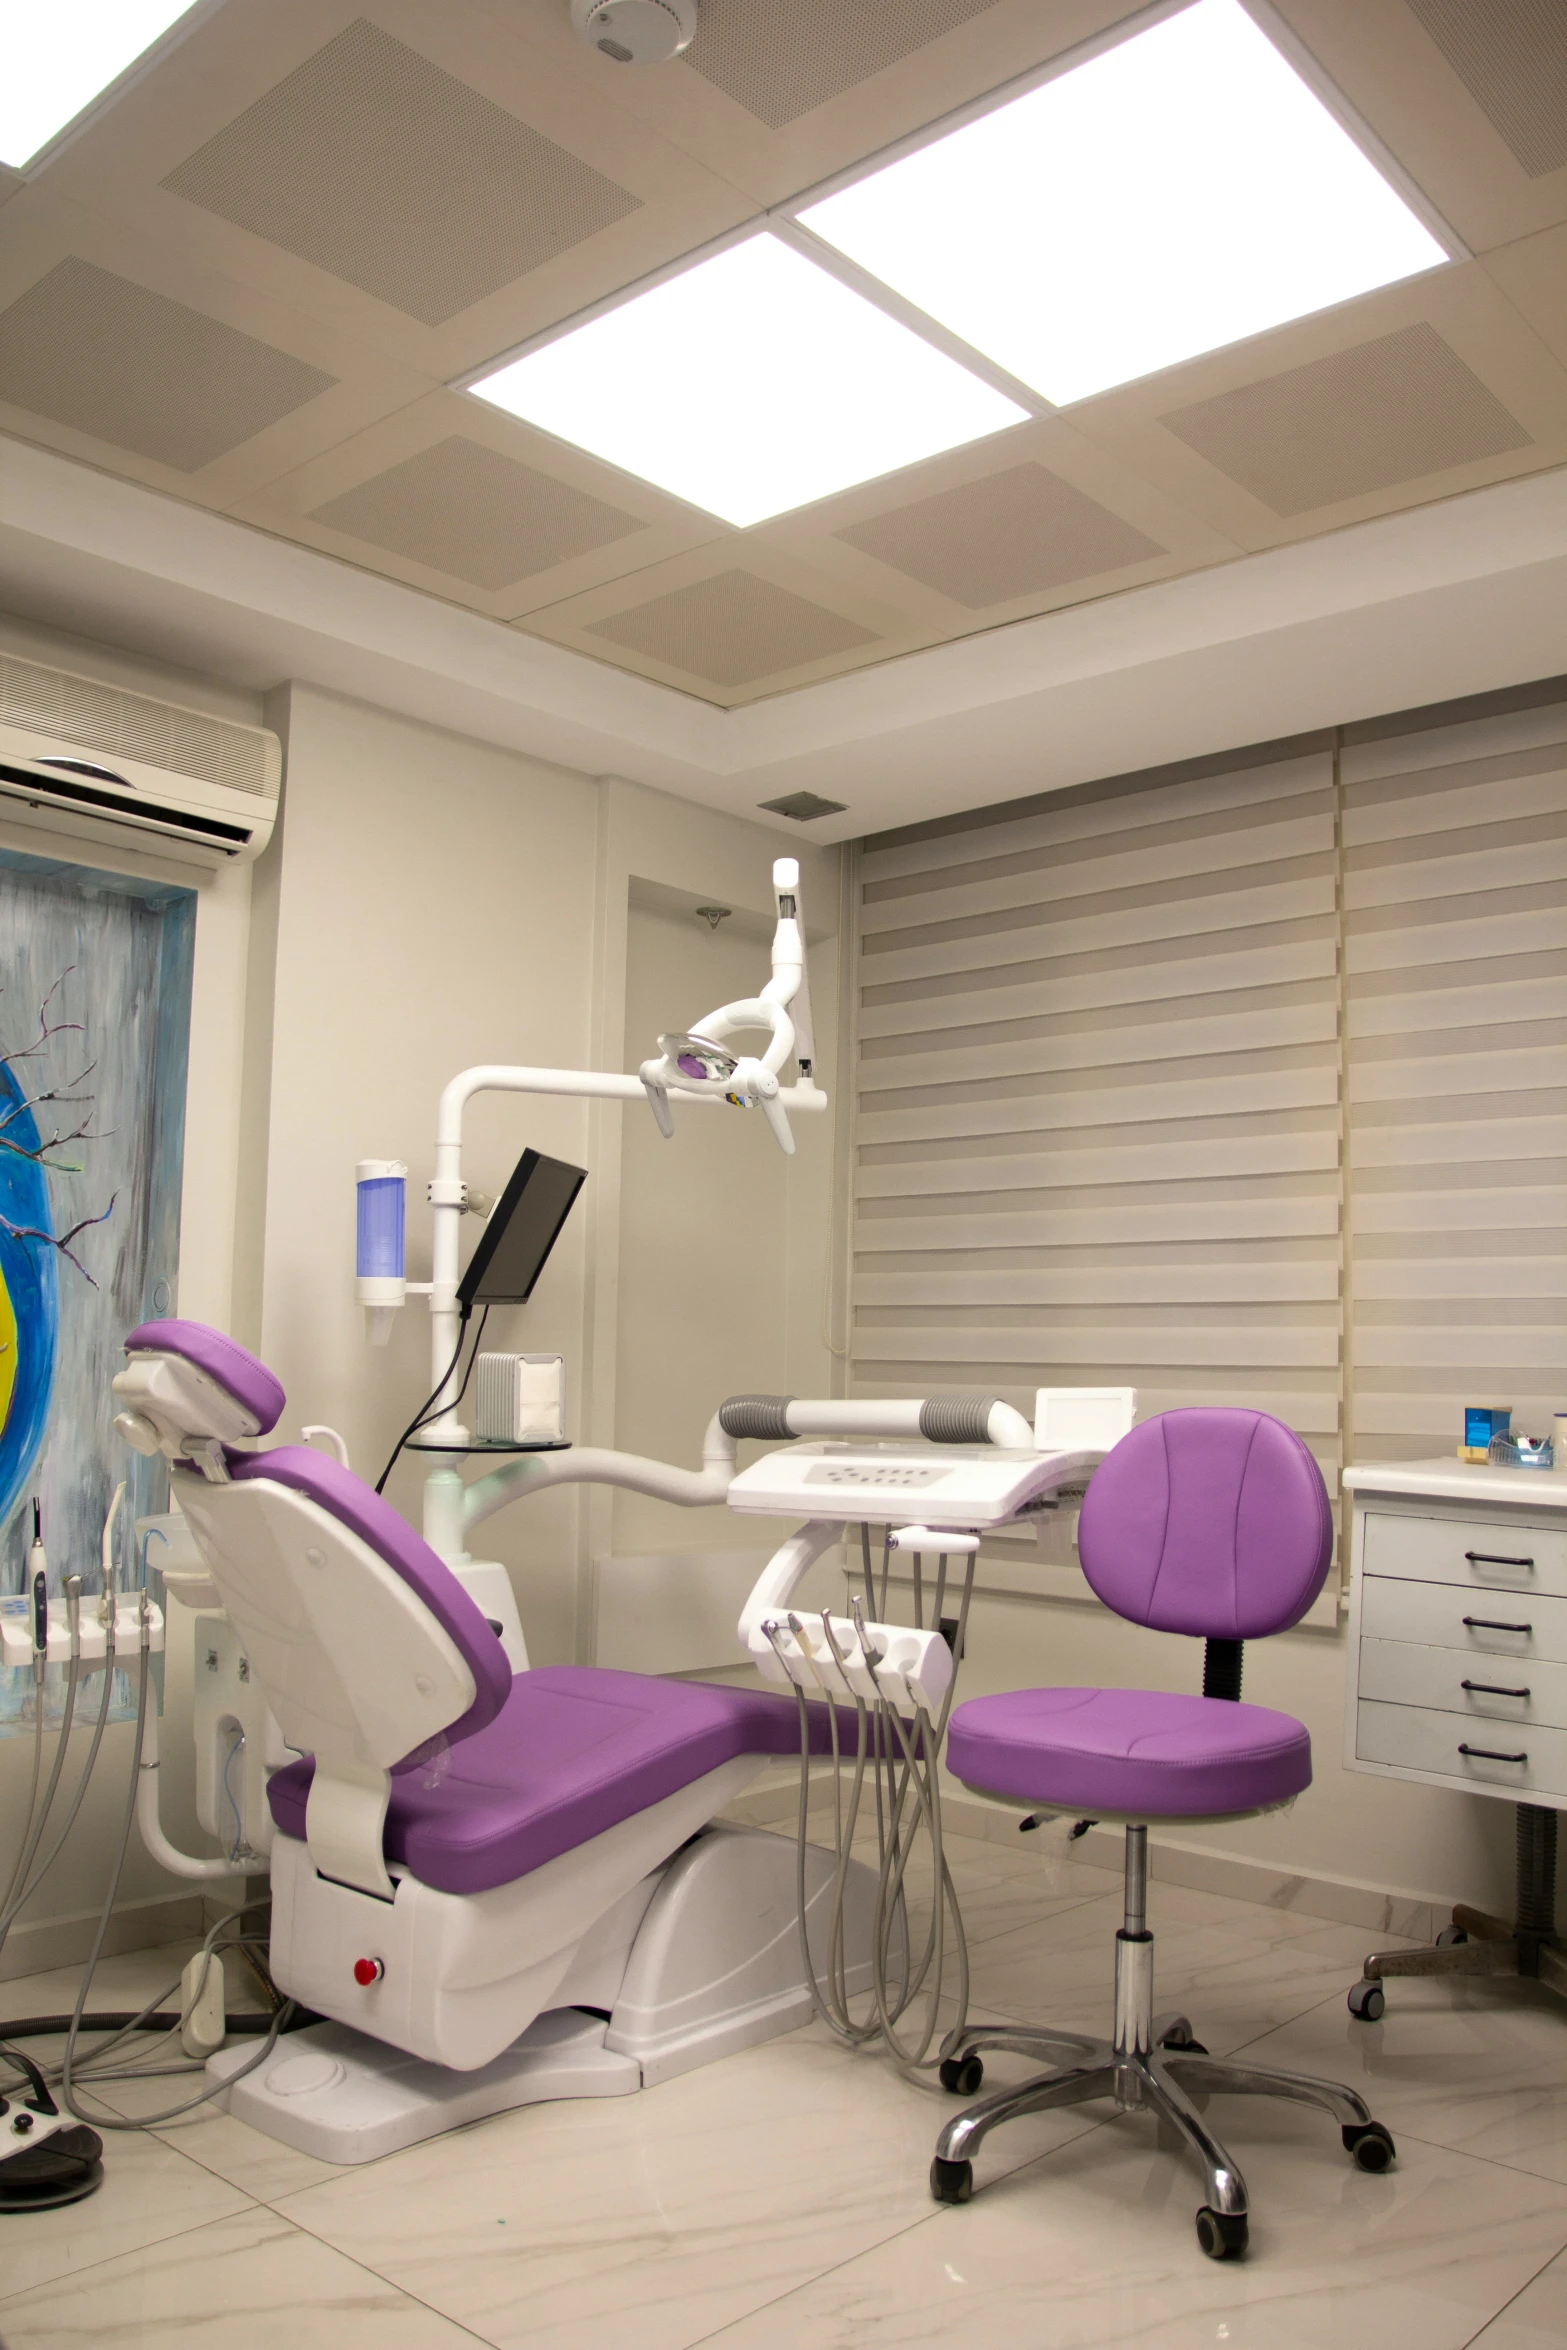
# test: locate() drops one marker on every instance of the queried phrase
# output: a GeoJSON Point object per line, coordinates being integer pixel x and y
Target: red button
{"type": "Point", "coordinates": [368, 1971]}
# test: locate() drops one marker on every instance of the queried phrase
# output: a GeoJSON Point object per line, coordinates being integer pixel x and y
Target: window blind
{"type": "Point", "coordinates": [1455, 855]}
{"type": "Point", "coordinates": [1098, 1119]}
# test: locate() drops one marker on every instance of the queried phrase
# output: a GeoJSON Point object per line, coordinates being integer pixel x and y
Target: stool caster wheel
{"type": "Point", "coordinates": [961, 2076]}
{"type": "Point", "coordinates": [951, 2182]}
{"type": "Point", "coordinates": [1367, 2002]}
{"type": "Point", "coordinates": [1221, 2234]}
{"type": "Point", "coordinates": [1187, 2047]}
{"type": "Point", "coordinates": [1451, 1938]}
{"type": "Point", "coordinates": [1371, 2145]}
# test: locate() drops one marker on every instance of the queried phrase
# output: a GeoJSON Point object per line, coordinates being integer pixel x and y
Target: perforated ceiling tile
{"type": "Point", "coordinates": [1364, 419]}
{"type": "Point", "coordinates": [1511, 55]}
{"type": "Point", "coordinates": [106, 357]}
{"type": "Point", "coordinates": [468, 511]}
{"type": "Point", "coordinates": [1018, 533]}
{"type": "Point", "coordinates": [779, 63]}
{"type": "Point", "coordinates": [733, 629]}
{"type": "Point", "coordinates": [373, 163]}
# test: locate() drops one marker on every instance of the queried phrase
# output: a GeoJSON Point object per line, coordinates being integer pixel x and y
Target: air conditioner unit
{"type": "Point", "coordinates": [97, 763]}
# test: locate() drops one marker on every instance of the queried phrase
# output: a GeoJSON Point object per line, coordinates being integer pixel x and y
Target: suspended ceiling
{"type": "Point", "coordinates": [249, 281]}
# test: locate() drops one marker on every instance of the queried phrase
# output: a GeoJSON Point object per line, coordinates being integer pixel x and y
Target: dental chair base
{"type": "Point", "coordinates": [700, 1959]}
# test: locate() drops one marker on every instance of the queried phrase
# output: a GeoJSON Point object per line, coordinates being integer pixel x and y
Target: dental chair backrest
{"type": "Point", "coordinates": [368, 1648]}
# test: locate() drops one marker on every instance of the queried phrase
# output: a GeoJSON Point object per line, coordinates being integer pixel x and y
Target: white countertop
{"type": "Point", "coordinates": [1454, 1480]}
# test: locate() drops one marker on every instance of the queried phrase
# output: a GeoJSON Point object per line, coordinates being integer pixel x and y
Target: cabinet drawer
{"type": "Point", "coordinates": [1489, 1690]}
{"type": "Point", "coordinates": [1419, 1738]}
{"type": "Point", "coordinates": [1484, 1554]}
{"type": "Point", "coordinates": [1487, 1624]}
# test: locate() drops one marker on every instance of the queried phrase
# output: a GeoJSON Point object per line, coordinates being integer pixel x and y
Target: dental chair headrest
{"type": "Point", "coordinates": [187, 1383]}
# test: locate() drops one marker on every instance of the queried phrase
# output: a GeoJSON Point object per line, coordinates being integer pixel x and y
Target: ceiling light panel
{"type": "Point", "coordinates": [1175, 193]}
{"type": "Point", "coordinates": [62, 54]}
{"type": "Point", "coordinates": [749, 384]}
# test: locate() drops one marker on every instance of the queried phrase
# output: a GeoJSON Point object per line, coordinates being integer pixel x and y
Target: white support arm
{"type": "Point", "coordinates": [446, 1187]}
{"type": "Point", "coordinates": [591, 1465]}
{"type": "Point", "coordinates": [157, 1845]}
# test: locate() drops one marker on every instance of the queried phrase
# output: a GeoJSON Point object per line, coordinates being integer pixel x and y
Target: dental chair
{"type": "Point", "coordinates": [1214, 1524]}
{"type": "Point", "coordinates": [496, 1888]}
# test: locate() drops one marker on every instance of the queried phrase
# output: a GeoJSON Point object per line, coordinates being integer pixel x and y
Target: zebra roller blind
{"type": "Point", "coordinates": [1246, 1086]}
{"type": "Point", "coordinates": [1098, 1115]}
{"type": "Point", "coordinates": [1455, 855]}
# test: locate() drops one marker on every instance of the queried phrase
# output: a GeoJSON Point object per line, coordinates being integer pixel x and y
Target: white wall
{"type": "Point", "coordinates": [430, 903]}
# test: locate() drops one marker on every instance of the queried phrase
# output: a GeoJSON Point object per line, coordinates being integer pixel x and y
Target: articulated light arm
{"type": "Point", "coordinates": [698, 1061]}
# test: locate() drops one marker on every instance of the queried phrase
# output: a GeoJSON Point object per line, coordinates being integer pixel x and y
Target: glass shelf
{"type": "Point", "coordinates": [425, 1442]}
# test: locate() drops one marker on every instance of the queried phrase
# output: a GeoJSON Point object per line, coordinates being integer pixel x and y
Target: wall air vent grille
{"type": "Point", "coordinates": [803, 806]}
{"type": "Point", "coordinates": [468, 511]}
{"type": "Point", "coordinates": [733, 629]}
{"type": "Point", "coordinates": [780, 63]}
{"type": "Point", "coordinates": [1023, 532]}
{"type": "Point", "coordinates": [1511, 56]}
{"type": "Point", "coordinates": [375, 165]}
{"type": "Point", "coordinates": [105, 357]}
{"type": "Point", "coordinates": [117, 724]}
{"type": "Point", "coordinates": [1370, 418]}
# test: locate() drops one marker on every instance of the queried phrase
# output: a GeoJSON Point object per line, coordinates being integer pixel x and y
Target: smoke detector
{"type": "Point", "coordinates": [636, 32]}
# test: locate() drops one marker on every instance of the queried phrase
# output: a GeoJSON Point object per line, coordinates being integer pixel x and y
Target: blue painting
{"type": "Point", "coordinates": [95, 978]}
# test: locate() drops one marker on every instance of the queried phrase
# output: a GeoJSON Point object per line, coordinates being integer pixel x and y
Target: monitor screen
{"type": "Point", "coordinates": [523, 1227]}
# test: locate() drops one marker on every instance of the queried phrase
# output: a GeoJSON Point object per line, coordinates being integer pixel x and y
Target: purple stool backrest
{"type": "Point", "coordinates": [1210, 1522]}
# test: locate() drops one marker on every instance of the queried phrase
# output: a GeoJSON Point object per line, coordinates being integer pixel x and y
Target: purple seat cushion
{"type": "Point", "coordinates": [1213, 1522]}
{"type": "Point", "coordinates": [232, 1367]}
{"type": "Point", "coordinates": [1146, 1752]}
{"type": "Point", "coordinates": [355, 1505]}
{"type": "Point", "coordinates": [576, 1750]}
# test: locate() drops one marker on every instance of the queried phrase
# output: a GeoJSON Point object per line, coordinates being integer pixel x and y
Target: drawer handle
{"type": "Point", "coordinates": [1489, 1754]}
{"type": "Point", "coordinates": [1491, 1689]}
{"type": "Point", "coordinates": [1489, 1624]}
{"type": "Point", "coordinates": [1492, 1558]}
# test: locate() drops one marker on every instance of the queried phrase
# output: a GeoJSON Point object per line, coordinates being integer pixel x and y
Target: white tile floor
{"type": "Point", "coordinates": [779, 2199]}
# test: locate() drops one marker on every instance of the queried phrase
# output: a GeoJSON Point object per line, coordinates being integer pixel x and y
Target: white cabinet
{"type": "Point", "coordinates": [1458, 1628]}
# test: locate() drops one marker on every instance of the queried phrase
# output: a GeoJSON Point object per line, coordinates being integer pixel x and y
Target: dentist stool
{"type": "Point", "coordinates": [1214, 1524]}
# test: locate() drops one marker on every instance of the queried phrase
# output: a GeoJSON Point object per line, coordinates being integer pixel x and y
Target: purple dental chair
{"type": "Point", "coordinates": [1214, 1524]}
{"type": "Point", "coordinates": [513, 1882]}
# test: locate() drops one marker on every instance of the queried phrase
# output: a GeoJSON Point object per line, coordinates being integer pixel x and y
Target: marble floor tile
{"type": "Point", "coordinates": [1537, 2319]}
{"type": "Point", "coordinates": [248, 2283]}
{"type": "Point", "coordinates": [657, 2218]}
{"type": "Point", "coordinates": [1092, 2248]}
{"type": "Point", "coordinates": [149, 2192]}
{"type": "Point", "coordinates": [1478, 2066]}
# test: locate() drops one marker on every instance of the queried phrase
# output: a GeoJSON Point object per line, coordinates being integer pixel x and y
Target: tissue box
{"type": "Point", "coordinates": [518, 1399]}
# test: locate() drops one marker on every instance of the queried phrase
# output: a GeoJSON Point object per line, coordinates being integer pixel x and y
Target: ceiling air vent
{"type": "Point", "coordinates": [803, 806]}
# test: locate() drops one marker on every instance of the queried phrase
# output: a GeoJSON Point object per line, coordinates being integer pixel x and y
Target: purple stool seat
{"type": "Point", "coordinates": [1150, 1753]}
{"type": "Point", "coordinates": [575, 1749]}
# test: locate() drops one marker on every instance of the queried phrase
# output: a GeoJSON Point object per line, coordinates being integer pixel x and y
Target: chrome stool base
{"type": "Point", "coordinates": [1153, 2065]}
{"type": "Point", "coordinates": [1476, 1943]}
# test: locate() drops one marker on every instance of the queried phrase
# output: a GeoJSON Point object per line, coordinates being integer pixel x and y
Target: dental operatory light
{"type": "Point", "coordinates": [1174, 193]}
{"type": "Point", "coordinates": [748, 384]}
{"type": "Point", "coordinates": [635, 32]}
{"type": "Point", "coordinates": [59, 57]}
